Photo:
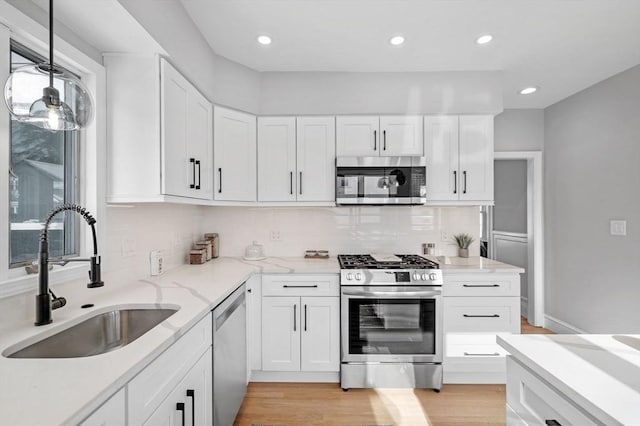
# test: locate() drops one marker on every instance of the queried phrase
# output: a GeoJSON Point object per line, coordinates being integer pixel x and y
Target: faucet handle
{"type": "Point", "coordinates": [95, 279]}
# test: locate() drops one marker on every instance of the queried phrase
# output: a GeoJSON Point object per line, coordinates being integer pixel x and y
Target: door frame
{"type": "Point", "coordinates": [535, 231]}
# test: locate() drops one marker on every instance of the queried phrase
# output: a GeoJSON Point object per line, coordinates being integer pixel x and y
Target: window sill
{"type": "Point", "coordinates": [25, 283]}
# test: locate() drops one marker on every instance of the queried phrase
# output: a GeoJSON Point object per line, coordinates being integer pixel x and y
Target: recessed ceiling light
{"type": "Point", "coordinates": [396, 40]}
{"type": "Point", "coordinates": [528, 90]}
{"type": "Point", "coordinates": [264, 40]}
{"type": "Point", "coordinates": [484, 39]}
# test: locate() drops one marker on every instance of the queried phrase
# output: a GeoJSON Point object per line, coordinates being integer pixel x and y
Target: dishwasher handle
{"type": "Point", "coordinates": [230, 309]}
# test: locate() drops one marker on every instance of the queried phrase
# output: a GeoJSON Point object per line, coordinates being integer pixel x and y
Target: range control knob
{"type": "Point", "coordinates": [358, 276]}
{"type": "Point", "coordinates": [433, 276]}
{"type": "Point", "coordinates": [349, 276]}
{"type": "Point", "coordinates": [425, 277]}
{"type": "Point", "coordinates": [416, 276]}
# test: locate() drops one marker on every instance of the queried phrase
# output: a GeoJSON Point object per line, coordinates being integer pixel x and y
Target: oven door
{"type": "Point", "coordinates": [391, 324]}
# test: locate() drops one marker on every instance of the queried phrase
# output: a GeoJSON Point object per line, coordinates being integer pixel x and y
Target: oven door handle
{"type": "Point", "coordinates": [398, 294]}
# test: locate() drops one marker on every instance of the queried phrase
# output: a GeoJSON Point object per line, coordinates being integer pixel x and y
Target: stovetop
{"type": "Point", "coordinates": [402, 261]}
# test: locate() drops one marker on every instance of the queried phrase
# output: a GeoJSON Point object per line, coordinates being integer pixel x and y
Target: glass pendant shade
{"type": "Point", "coordinates": [30, 98]}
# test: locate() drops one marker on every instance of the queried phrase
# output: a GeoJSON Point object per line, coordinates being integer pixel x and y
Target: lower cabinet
{"type": "Point", "coordinates": [111, 413]}
{"type": "Point", "coordinates": [300, 324]}
{"type": "Point", "coordinates": [478, 307]}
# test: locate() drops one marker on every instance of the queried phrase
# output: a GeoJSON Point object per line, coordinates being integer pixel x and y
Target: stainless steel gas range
{"type": "Point", "coordinates": [391, 321]}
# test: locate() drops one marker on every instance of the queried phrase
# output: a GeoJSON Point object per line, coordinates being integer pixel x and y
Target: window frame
{"type": "Point", "coordinates": [72, 180]}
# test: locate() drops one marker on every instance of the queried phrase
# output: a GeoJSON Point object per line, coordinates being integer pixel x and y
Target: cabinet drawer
{"type": "Point", "coordinates": [482, 314]}
{"type": "Point", "coordinates": [301, 285]}
{"type": "Point", "coordinates": [491, 285]}
{"type": "Point", "coordinates": [149, 388]}
{"type": "Point", "coordinates": [534, 401]}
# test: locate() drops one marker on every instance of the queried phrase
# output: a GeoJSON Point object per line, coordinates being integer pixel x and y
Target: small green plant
{"type": "Point", "coordinates": [463, 240]}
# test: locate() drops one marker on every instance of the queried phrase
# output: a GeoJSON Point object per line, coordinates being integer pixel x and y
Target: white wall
{"type": "Point", "coordinates": [592, 157]}
{"type": "Point", "coordinates": [519, 130]}
{"type": "Point", "coordinates": [380, 93]}
{"type": "Point", "coordinates": [341, 229]}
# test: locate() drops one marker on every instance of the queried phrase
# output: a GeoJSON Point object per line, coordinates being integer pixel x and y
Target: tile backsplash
{"type": "Point", "coordinates": [289, 231]}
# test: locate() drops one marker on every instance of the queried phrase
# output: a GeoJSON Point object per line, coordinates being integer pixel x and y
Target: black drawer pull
{"type": "Point", "coordinates": [455, 182]}
{"type": "Point", "coordinates": [294, 317]}
{"type": "Point", "coordinates": [300, 286]}
{"type": "Point", "coordinates": [220, 180]}
{"type": "Point", "coordinates": [199, 175]}
{"type": "Point", "coordinates": [481, 316]}
{"type": "Point", "coordinates": [193, 168]}
{"type": "Point", "coordinates": [191, 393]}
{"type": "Point", "coordinates": [552, 423]}
{"type": "Point", "coordinates": [305, 317]}
{"type": "Point", "coordinates": [481, 354]}
{"type": "Point", "coordinates": [480, 285]}
{"type": "Point", "coordinates": [180, 407]}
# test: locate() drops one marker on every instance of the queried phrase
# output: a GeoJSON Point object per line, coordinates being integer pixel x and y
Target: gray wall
{"type": "Point", "coordinates": [519, 130]}
{"type": "Point", "coordinates": [510, 189]}
{"type": "Point", "coordinates": [592, 157]}
{"type": "Point", "coordinates": [381, 93]}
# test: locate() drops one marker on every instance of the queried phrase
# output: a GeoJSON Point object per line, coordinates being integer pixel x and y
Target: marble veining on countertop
{"type": "Point", "coordinates": [599, 372]}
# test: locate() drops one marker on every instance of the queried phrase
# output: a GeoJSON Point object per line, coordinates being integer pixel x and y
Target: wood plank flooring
{"type": "Point", "coordinates": [320, 404]}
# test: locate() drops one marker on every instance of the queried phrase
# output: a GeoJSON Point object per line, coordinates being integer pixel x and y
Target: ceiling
{"type": "Point", "coordinates": [561, 46]}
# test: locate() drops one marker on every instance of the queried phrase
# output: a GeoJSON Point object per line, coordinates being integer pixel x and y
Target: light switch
{"type": "Point", "coordinates": [618, 227]}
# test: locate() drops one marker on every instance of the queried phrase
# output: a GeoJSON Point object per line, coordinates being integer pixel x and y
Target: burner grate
{"type": "Point", "coordinates": [365, 261]}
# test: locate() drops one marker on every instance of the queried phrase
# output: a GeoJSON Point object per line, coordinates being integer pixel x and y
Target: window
{"type": "Point", "coordinates": [42, 176]}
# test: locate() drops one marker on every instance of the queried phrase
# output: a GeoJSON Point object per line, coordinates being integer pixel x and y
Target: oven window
{"type": "Point", "coordinates": [392, 326]}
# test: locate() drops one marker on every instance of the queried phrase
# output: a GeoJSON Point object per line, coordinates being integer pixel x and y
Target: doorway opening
{"type": "Point", "coordinates": [513, 227]}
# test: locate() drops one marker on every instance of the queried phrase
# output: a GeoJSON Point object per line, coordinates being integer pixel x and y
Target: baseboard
{"type": "Point", "coordinates": [295, 376]}
{"type": "Point", "coordinates": [560, 327]}
{"type": "Point", "coordinates": [524, 307]}
{"type": "Point", "coordinates": [475, 378]}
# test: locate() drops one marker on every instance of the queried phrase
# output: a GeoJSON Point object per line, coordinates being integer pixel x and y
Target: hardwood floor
{"type": "Point", "coordinates": [319, 404]}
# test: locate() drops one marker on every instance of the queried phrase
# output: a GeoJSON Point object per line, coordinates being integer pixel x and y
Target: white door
{"type": "Point", "coordinates": [358, 136]}
{"type": "Point", "coordinates": [401, 135]}
{"type": "Point", "coordinates": [320, 348]}
{"type": "Point", "coordinates": [178, 170]}
{"type": "Point", "coordinates": [234, 155]}
{"type": "Point", "coordinates": [281, 333]}
{"type": "Point", "coordinates": [276, 158]}
{"type": "Point", "coordinates": [316, 159]}
{"type": "Point", "coordinates": [476, 158]}
{"type": "Point", "coordinates": [441, 153]}
{"type": "Point", "coordinates": [200, 143]}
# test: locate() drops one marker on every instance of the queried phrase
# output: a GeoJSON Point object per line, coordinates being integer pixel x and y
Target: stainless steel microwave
{"type": "Point", "coordinates": [381, 180]}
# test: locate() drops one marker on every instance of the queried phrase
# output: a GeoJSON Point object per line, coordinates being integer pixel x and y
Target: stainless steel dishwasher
{"type": "Point", "coordinates": [229, 357]}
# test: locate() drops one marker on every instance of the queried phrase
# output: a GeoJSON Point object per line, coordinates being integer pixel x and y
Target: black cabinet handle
{"type": "Point", "coordinates": [455, 182]}
{"type": "Point", "coordinates": [384, 139]}
{"type": "Point", "coordinates": [300, 286]}
{"type": "Point", "coordinates": [193, 169]}
{"type": "Point", "coordinates": [305, 317]}
{"type": "Point", "coordinates": [199, 176]}
{"type": "Point", "coordinates": [220, 180]}
{"type": "Point", "coordinates": [291, 183]}
{"type": "Point", "coordinates": [191, 393]}
{"type": "Point", "coordinates": [481, 316]}
{"type": "Point", "coordinates": [552, 423]}
{"type": "Point", "coordinates": [180, 407]}
{"type": "Point", "coordinates": [248, 290]}
{"type": "Point", "coordinates": [480, 285]}
{"type": "Point", "coordinates": [294, 317]}
{"type": "Point", "coordinates": [464, 175]}
{"type": "Point", "coordinates": [375, 140]}
{"type": "Point", "coordinates": [300, 183]}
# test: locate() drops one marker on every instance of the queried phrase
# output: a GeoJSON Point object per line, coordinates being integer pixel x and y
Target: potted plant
{"type": "Point", "coordinates": [463, 241]}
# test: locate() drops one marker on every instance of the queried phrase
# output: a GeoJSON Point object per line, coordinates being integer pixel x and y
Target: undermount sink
{"type": "Point", "coordinates": [96, 335]}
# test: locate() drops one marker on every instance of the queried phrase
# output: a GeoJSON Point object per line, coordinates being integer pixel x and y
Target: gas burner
{"type": "Point", "coordinates": [366, 261]}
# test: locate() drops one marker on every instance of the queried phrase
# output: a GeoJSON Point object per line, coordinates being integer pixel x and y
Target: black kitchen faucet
{"type": "Point", "coordinates": [46, 301]}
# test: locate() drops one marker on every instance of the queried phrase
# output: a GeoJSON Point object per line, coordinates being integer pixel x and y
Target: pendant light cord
{"type": "Point", "coordinates": [50, 43]}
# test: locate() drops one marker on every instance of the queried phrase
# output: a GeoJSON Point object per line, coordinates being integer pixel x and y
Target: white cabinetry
{"type": "Point", "coordinates": [300, 324]}
{"type": "Point", "coordinates": [459, 154]}
{"type": "Point", "coordinates": [234, 155]}
{"type": "Point", "coordinates": [532, 401]}
{"type": "Point", "coordinates": [477, 307]}
{"type": "Point", "coordinates": [111, 413]}
{"type": "Point", "coordinates": [159, 135]}
{"type": "Point", "coordinates": [254, 324]}
{"type": "Point", "coordinates": [296, 159]}
{"type": "Point", "coordinates": [383, 136]}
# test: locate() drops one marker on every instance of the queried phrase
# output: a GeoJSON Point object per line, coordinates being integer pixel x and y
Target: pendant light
{"type": "Point", "coordinates": [71, 111]}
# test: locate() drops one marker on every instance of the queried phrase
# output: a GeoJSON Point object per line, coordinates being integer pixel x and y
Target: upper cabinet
{"type": "Point", "coordinates": [384, 136]}
{"type": "Point", "coordinates": [234, 155]}
{"type": "Point", "coordinates": [459, 154]}
{"type": "Point", "coordinates": [159, 135]}
{"type": "Point", "coordinates": [296, 159]}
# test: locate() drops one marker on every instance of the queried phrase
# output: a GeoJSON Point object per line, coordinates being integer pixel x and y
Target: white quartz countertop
{"type": "Point", "coordinates": [64, 391]}
{"type": "Point", "coordinates": [473, 264]}
{"type": "Point", "coordinates": [600, 373]}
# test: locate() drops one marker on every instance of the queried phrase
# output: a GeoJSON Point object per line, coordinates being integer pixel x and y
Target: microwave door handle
{"type": "Point", "coordinates": [398, 294]}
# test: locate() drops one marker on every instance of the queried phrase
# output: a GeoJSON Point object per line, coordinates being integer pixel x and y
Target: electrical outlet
{"type": "Point", "coordinates": [128, 247]}
{"type": "Point", "coordinates": [274, 236]}
{"type": "Point", "coordinates": [618, 227]}
{"type": "Point", "coordinates": [156, 261]}
{"type": "Point", "coordinates": [444, 236]}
